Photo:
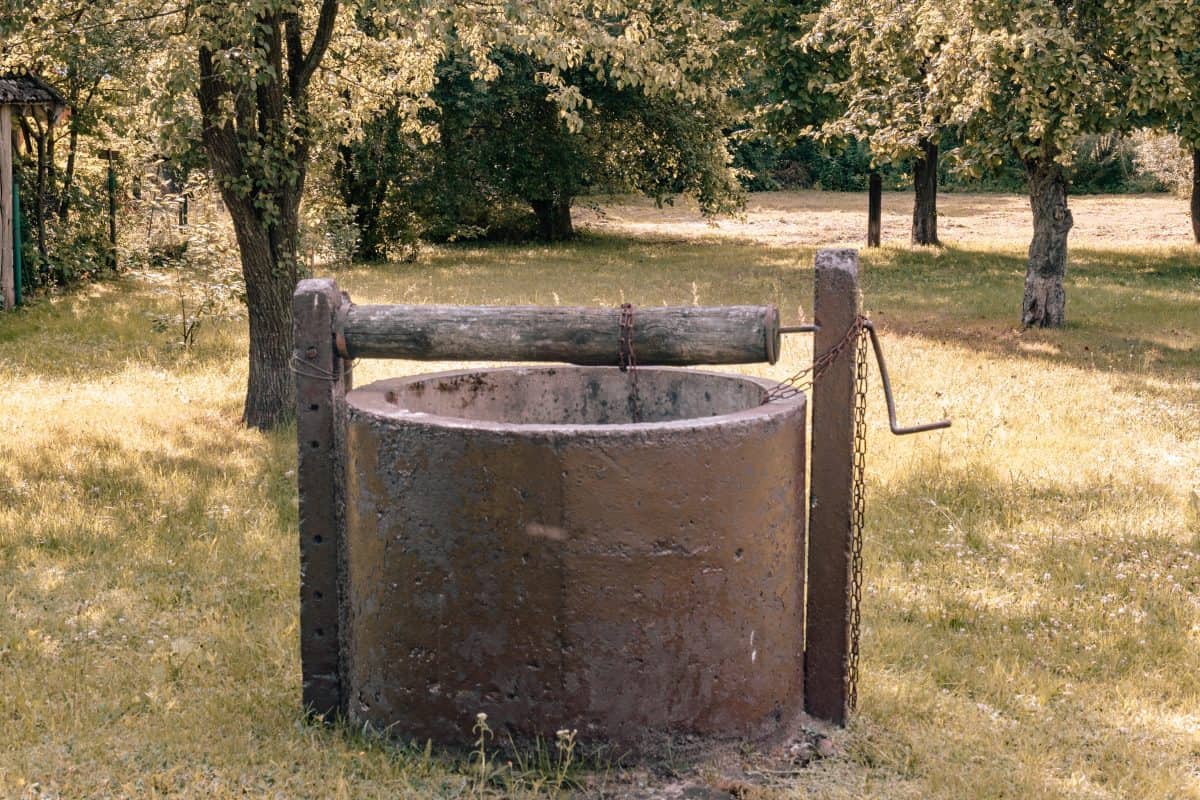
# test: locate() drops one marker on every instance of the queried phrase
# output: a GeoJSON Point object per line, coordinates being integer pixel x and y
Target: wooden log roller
{"type": "Point", "coordinates": [662, 336]}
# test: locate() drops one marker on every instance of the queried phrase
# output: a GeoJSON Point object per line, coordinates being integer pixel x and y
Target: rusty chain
{"type": "Point", "coordinates": [858, 511]}
{"type": "Point", "coordinates": [802, 381]}
{"type": "Point", "coordinates": [628, 360]}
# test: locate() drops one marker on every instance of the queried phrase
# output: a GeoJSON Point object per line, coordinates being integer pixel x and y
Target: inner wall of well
{"type": "Point", "coordinates": [574, 395]}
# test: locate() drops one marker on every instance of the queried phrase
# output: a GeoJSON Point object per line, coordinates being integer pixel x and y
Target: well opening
{"type": "Point", "coordinates": [568, 395]}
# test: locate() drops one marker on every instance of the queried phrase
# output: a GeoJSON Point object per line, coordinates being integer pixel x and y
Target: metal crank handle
{"type": "Point", "coordinates": [887, 391]}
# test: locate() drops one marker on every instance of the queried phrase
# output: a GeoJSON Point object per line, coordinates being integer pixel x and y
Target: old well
{"type": "Point", "coordinates": [516, 544]}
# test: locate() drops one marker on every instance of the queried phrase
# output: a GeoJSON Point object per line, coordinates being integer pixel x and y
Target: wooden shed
{"type": "Point", "coordinates": [21, 94]}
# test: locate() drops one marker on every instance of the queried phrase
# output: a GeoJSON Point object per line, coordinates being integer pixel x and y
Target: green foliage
{"type": "Point", "coordinates": [1032, 76]}
{"type": "Point", "coordinates": [786, 86]}
{"type": "Point", "coordinates": [505, 160]}
{"type": "Point", "coordinates": [894, 52]}
{"type": "Point", "coordinates": [93, 62]}
{"type": "Point", "coordinates": [59, 252]}
{"type": "Point", "coordinates": [1010, 81]}
{"type": "Point", "coordinates": [1099, 165]}
{"type": "Point", "coordinates": [810, 164]}
{"type": "Point", "coordinates": [1106, 165]}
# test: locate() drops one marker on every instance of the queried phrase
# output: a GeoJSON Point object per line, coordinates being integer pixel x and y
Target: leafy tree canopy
{"type": "Point", "coordinates": [896, 53]}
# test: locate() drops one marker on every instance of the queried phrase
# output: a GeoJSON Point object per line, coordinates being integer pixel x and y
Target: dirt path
{"type": "Point", "coordinates": [823, 218]}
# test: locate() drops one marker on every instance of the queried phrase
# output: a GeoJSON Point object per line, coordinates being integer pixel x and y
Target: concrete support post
{"type": "Point", "coordinates": [836, 305]}
{"type": "Point", "coordinates": [321, 384]}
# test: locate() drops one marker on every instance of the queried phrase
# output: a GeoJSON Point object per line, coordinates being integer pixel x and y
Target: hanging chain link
{"type": "Point", "coordinates": [628, 360]}
{"type": "Point", "coordinates": [802, 381]}
{"type": "Point", "coordinates": [858, 511]}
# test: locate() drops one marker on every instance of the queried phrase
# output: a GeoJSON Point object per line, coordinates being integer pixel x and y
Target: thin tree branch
{"type": "Point", "coordinates": [321, 39]}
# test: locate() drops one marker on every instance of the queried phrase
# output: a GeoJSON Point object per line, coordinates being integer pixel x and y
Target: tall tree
{"type": "Point", "coordinates": [1033, 76]}
{"type": "Point", "coordinates": [1171, 87]}
{"type": "Point", "coordinates": [896, 52]}
{"type": "Point", "coordinates": [255, 63]}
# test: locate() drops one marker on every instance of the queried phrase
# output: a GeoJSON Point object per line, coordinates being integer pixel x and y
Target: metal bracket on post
{"type": "Point", "coordinates": [836, 308]}
{"type": "Point", "coordinates": [321, 384]}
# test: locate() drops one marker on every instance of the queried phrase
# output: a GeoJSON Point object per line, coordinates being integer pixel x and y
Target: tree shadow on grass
{"type": "Point", "coordinates": [594, 269]}
{"type": "Point", "coordinates": [143, 511]}
{"type": "Point", "coordinates": [1043, 610]}
{"type": "Point", "coordinates": [1127, 312]}
{"type": "Point", "coordinates": [103, 329]}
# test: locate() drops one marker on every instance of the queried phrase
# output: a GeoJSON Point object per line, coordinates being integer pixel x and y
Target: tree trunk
{"type": "Point", "coordinates": [268, 233]}
{"type": "Point", "coordinates": [367, 218]}
{"type": "Point", "coordinates": [267, 247]}
{"type": "Point", "coordinates": [39, 203]}
{"type": "Point", "coordinates": [874, 209]}
{"type": "Point", "coordinates": [269, 268]}
{"type": "Point", "coordinates": [51, 172]}
{"type": "Point", "coordinates": [1045, 301]}
{"type": "Point", "coordinates": [925, 181]}
{"type": "Point", "coordinates": [554, 218]}
{"type": "Point", "coordinates": [1196, 193]}
{"type": "Point", "coordinates": [64, 202]}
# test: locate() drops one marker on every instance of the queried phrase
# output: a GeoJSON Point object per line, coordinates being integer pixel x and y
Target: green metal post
{"type": "Point", "coordinates": [16, 205]}
{"type": "Point", "coordinates": [112, 210]}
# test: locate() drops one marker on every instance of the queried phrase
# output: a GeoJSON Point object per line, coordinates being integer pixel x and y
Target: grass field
{"type": "Point", "coordinates": [1032, 609]}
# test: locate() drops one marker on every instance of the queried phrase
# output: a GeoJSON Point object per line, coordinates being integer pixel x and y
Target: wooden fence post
{"type": "Point", "coordinates": [836, 306]}
{"type": "Point", "coordinates": [321, 384]}
{"type": "Point", "coordinates": [874, 209]}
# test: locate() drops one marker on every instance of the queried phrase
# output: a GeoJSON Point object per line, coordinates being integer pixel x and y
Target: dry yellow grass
{"type": "Point", "coordinates": [1033, 574]}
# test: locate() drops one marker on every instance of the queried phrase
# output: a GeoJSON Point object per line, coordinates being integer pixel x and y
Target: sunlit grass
{"type": "Point", "coordinates": [1032, 621]}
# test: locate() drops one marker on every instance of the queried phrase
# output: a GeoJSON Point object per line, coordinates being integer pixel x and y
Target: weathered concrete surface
{"type": "Point", "coordinates": [837, 304]}
{"type": "Point", "coordinates": [516, 546]}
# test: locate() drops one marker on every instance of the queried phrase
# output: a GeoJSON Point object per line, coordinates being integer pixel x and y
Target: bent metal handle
{"type": "Point", "coordinates": [897, 429]}
{"type": "Point", "coordinates": [592, 336]}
